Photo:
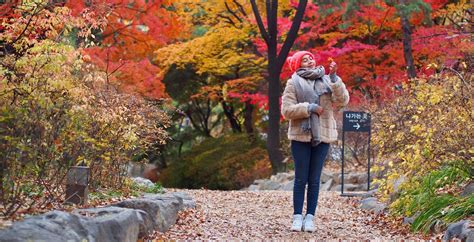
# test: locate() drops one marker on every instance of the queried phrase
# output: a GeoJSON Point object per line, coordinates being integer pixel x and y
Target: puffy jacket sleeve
{"type": "Point", "coordinates": [340, 95]}
{"type": "Point", "coordinates": [290, 108]}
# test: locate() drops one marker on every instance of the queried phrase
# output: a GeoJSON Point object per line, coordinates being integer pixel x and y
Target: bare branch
{"type": "Point", "coordinates": [241, 8]}
{"type": "Point", "coordinates": [232, 12]}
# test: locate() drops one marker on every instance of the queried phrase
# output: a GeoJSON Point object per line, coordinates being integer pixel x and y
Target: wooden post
{"type": "Point", "coordinates": [76, 185]}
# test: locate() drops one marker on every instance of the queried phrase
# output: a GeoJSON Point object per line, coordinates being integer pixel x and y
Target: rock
{"type": "Point", "coordinates": [326, 176]}
{"type": "Point", "coordinates": [347, 187]}
{"type": "Point", "coordinates": [270, 185]}
{"type": "Point", "coordinates": [459, 230]}
{"type": "Point", "coordinates": [124, 221]}
{"type": "Point", "coordinates": [253, 187]}
{"type": "Point", "coordinates": [114, 223]}
{"type": "Point", "coordinates": [52, 226]}
{"type": "Point", "coordinates": [143, 182]}
{"type": "Point", "coordinates": [372, 204]}
{"type": "Point", "coordinates": [102, 224]}
{"type": "Point", "coordinates": [151, 208]}
{"type": "Point", "coordinates": [162, 209]}
{"type": "Point", "coordinates": [291, 176]}
{"type": "Point", "coordinates": [356, 178]}
{"type": "Point", "coordinates": [370, 193]}
{"type": "Point", "coordinates": [288, 186]}
{"type": "Point", "coordinates": [409, 220]}
{"type": "Point", "coordinates": [361, 187]}
{"type": "Point", "coordinates": [326, 186]}
{"type": "Point", "coordinates": [336, 177]}
{"type": "Point", "coordinates": [259, 181]}
{"type": "Point", "coordinates": [280, 177]}
{"type": "Point", "coordinates": [335, 188]}
{"type": "Point", "coordinates": [188, 201]}
{"type": "Point", "coordinates": [468, 190]}
{"type": "Point", "coordinates": [362, 178]}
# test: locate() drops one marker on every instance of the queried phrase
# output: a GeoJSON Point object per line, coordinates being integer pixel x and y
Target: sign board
{"type": "Point", "coordinates": [355, 121]}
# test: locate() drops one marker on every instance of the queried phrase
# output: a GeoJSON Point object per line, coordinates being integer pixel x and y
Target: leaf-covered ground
{"type": "Point", "coordinates": [267, 215]}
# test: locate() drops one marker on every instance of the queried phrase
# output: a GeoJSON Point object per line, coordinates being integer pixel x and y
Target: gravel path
{"type": "Point", "coordinates": [267, 215]}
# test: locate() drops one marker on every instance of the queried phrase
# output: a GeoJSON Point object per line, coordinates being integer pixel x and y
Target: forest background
{"type": "Point", "coordinates": [193, 87]}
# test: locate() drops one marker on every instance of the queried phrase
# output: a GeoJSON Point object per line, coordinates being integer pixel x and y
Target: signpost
{"type": "Point", "coordinates": [355, 122]}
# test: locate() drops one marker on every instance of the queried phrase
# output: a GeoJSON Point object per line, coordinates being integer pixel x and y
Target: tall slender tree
{"type": "Point", "coordinates": [276, 60]}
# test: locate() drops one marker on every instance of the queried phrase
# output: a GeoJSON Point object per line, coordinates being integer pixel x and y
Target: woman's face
{"type": "Point", "coordinates": [308, 62]}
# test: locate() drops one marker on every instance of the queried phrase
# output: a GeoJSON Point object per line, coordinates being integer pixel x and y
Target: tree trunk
{"type": "Point", "coordinates": [407, 49]}
{"type": "Point", "coordinates": [229, 113]}
{"type": "Point", "coordinates": [275, 64]}
{"type": "Point", "coordinates": [273, 134]}
{"type": "Point", "coordinates": [248, 118]}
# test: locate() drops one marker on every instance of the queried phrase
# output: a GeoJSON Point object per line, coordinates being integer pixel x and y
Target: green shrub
{"type": "Point", "coordinates": [228, 162]}
{"type": "Point", "coordinates": [435, 197]}
{"type": "Point", "coordinates": [157, 188]}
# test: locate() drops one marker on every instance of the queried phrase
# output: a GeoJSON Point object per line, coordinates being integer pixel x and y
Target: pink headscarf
{"type": "Point", "coordinates": [294, 61]}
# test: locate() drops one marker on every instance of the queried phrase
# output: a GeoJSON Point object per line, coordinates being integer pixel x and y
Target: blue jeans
{"type": "Point", "coordinates": [309, 162]}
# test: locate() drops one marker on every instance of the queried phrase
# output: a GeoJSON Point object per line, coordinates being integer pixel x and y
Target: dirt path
{"type": "Point", "coordinates": [267, 214]}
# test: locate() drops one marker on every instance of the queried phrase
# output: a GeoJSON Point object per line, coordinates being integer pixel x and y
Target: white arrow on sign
{"type": "Point", "coordinates": [357, 126]}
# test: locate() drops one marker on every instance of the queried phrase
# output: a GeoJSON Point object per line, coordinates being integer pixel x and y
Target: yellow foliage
{"type": "Point", "coordinates": [430, 124]}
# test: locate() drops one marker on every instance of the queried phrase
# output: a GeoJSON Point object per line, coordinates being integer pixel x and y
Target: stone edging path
{"type": "Point", "coordinates": [125, 221]}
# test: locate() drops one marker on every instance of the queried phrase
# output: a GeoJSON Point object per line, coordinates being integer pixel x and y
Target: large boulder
{"type": "Point", "coordinates": [52, 226]}
{"type": "Point", "coordinates": [188, 201]}
{"type": "Point", "coordinates": [100, 224]}
{"type": "Point", "coordinates": [169, 205]}
{"type": "Point", "coordinates": [113, 223]}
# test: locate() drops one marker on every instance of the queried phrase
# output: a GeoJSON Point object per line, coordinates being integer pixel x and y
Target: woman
{"type": "Point", "coordinates": [308, 102]}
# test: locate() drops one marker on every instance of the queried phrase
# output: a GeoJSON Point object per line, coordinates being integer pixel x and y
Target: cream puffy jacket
{"type": "Point", "coordinates": [295, 112]}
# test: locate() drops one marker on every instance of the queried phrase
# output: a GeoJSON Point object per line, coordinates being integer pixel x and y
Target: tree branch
{"type": "Point", "coordinates": [292, 34]}
{"type": "Point", "coordinates": [241, 8]}
{"type": "Point", "coordinates": [272, 13]}
{"type": "Point", "coordinates": [232, 12]}
{"type": "Point", "coordinates": [260, 25]}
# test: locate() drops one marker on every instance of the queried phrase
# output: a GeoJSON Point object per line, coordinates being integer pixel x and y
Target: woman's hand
{"type": "Point", "coordinates": [332, 68]}
{"type": "Point", "coordinates": [315, 108]}
{"type": "Point", "coordinates": [319, 110]}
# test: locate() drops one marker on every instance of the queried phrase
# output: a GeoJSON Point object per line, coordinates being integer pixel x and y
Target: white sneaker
{"type": "Point", "coordinates": [297, 222]}
{"type": "Point", "coordinates": [308, 225]}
